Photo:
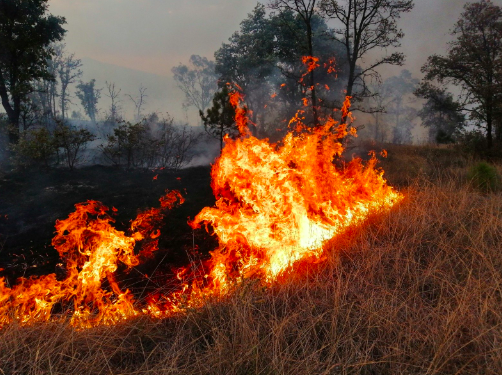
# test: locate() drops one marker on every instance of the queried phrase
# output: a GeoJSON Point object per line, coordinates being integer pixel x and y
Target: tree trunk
{"type": "Point", "coordinates": [489, 138]}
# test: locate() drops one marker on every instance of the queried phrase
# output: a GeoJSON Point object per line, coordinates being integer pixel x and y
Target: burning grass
{"type": "Point", "coordinates": [416, 290]}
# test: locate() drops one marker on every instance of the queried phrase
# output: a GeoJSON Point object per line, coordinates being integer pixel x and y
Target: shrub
{"type": "Point", "coordinates": [484, 177]}
{"type": "Point", "coordinates": [151, 143]}
{"type": "Point", "coordinates": [36, 146]}
{"type": "Point", "coordinates": [72, 142]}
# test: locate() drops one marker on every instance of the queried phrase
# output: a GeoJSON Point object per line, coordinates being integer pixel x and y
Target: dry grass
{"type": "Point", "coordinates": [416, 291]}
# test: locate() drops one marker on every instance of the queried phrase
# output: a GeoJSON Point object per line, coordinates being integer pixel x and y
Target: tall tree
{"type": "Point", "coordinates": [364, 27]}
{"type": "Point", "coordinates": [138, 101]}
{"type": "Point", "coordinates": [474, 63]}
{"type": "Point", "coordinates": [26, 33]}
{"type": "Point", "coordinates": [306, 9]}
{"type": "Point", "coordinates": [115, 107]}
{"type": "Point", "coordinates": [68, 72]}
{"type": "Point", "coordinates": [248, 60]}
{"type": "Point", "coordinates": [198, 81]}
{"type": "Point", "coordinates": [89, 96]}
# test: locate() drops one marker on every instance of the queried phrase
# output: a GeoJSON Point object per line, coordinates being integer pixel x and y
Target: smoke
{"type": "Point", "coordinates": [427, 30]}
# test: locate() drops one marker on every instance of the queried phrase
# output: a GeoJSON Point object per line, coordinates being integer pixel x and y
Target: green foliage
{"type": "Point", "coordinates": [35, 147]}
{"type": "Point", "coordinates": [89, 97]}
{"type": "Point", "coordinates": [40, 146]}
{"type": "Point", "coordinates": [219, 120]}
{"type": "Point", "coordinates": [484, 177]}
{"type": "Point", "coordinates": [26, 33]}
{"type": "Point", "coordinates": [265, 58]}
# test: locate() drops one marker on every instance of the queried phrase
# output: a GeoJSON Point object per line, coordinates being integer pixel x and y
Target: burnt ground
{"type": "Point", "coordinates": [32, 201]}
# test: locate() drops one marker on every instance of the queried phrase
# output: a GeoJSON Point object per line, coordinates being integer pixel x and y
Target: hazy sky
{"type": "Point", "coordinates": [154, 35]}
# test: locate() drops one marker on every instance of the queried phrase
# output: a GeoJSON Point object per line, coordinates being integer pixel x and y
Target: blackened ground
{"type": "Point", "coordinates": [32, 201]}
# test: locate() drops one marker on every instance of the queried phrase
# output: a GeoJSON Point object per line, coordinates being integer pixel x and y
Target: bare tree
{"type": "Point", "coordinates": [198, 81]}
{"type": "Point", "coordinates": [115, 108]}
{"type": "Point", "coordinates": [139, 102]}
{"type": "Point", "coordinates": [69, 71]}
{"type": "Point", "coordinates": [364, 26]}
{"type": "Point", "coordinates": [306, 9]}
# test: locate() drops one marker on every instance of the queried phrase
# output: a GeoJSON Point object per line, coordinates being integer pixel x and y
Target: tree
{"type": "Point", "coordinates": [401, 91]}
{"type": "Point", "coordinates": [248, 60]}
{"type": "Point", "coordinates": [115, 108]}
{"type": "Point", "coordinates": [68, 72]}
{"type": "Point", "coordinates": [219, 120]}
{"type": "Point", "coordinates": [139, 102]}
{"type": "Point", "coordinates": [440, 113]}
{"type": "Point", "coordinates": [393, 98]}
{"type": "Point", "coordinates": [26, 33]}
{"type": "Point", "coordinates": [474, 63]}
{"type": "Point", "coordinates": [264, 58]}
{"type": "Point", "coordinates": [198, 81]}
{"type": "Point", "coordinates": [364, 26]}
{"type": "Point", "coordinates": [306, 9]}
{"type": "Point", "coordinates": [89, 96]}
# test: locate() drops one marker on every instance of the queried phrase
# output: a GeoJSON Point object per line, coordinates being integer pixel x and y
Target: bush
{"type": "Point", "coordinates": [151, 143]}
{"type": "Point", "coordinates": [39, 146]}
{"type": "Point", "coordinates": [36, 146]}
{"type": "Point", "coordinates": [484, 177]}
{"type": "Point", "coordinates": [72, 142]}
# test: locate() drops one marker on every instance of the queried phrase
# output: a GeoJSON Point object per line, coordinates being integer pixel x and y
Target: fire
{"type": "Point", "coordinates": [277, 204]}
{"type": "Point", "coordinates": [91, 249]}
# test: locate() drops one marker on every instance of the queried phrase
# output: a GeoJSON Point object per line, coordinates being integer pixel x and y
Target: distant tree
{"type": "Point", "coordinates": [440, 113]}
{"type": "Point", "coordinates": [198, 81]}
{"type": "Point", "coordinates": [306, 10]}
{"type": "Point", "coordinates": [364, 28]}
{"type": "Point", "coordinates": [401, 89]}
{"type": "Point", "coordinates": [138, 101]}
{"type": "Point", "coordinates": [219, 120]}
{"type": "Point", "coordinates": [68, 72]}
{"type": "Point", "coordinates": [115, 107]}
{"type": "Point", "coordinates": [391, 106]}
{"type": "Point", "coordinates": [473, 63]}
{"type": "Point", "coordinates": [89, 96]}
{"type": "Point", "coordinates": [26, 33]}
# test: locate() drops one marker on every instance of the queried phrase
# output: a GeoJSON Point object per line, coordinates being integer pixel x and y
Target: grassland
{"type": "Point", "coordinates": [414, 291]}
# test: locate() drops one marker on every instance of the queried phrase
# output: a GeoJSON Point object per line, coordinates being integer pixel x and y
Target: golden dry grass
{"type": "Point", "coordinates": [415, 291]}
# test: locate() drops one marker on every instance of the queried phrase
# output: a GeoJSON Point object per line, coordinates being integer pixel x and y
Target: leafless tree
{"type": "Point", "coordinates": [139, 102]}
{"type": "Point", "coordinates": [68, 72]}
{"type": "Point", "coordinates": [115, 108]}
{"type": "Point", "coordinates": [198, 81]}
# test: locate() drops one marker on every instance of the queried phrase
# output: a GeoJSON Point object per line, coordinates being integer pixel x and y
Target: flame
{"type": "Point", "coordinates": [92, 250]}
{"type": "Point", "coordinates": [277, 204]}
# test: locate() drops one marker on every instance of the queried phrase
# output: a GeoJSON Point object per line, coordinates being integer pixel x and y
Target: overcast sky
{"type": "Point", "coordinates": [154, 35]}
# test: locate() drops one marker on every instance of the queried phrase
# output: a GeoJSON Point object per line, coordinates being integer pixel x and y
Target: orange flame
{"type": "Point", "coordinates": [277, 204]}
{"type": "Point", "coordinates": [91, 249]}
